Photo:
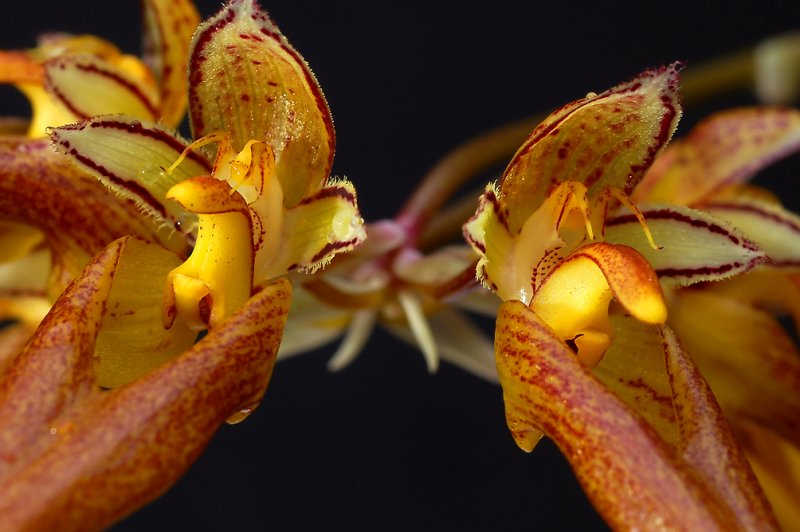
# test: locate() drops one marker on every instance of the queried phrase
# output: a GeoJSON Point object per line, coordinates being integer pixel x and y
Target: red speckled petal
{"type": "Point", "coordinates": [631, 476]}
{"type": "Point", "coordinates": [168, 29]}
{"type": "Point", "coordinates": [109, 453]}
{"type": "Point", "coordinates": [726, 148]}
{"type": "Point", "coordinates": [708, 444]}
{"type": "Point", "coordinates": [574, 142]}
{"type": "Point", "coordinates": [40, 188]}
{"type": "Point", "coordinates": [90, 86]}
{"type": "Point", "coordinates": [693, 245]}
{"type": "Point", "coordinates": [745, 354]}
{"type": "Point", "coordinates": [245, 78]}
{"type": "Point", "coordinates": [130, 157]}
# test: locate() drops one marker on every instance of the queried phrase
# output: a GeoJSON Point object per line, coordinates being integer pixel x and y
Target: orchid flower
{"type": "Point", "coordinates": [261, 208]}
{"type": "Point", "coordinates": [582, 349]}
{"type": "Point", "coordinates": [748, 357]}
{"type": "Point", "coordinates": [49, 208]}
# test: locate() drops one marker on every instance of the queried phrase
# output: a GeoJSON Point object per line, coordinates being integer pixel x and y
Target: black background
{"type": "Point", "coordinates": [382, 444]}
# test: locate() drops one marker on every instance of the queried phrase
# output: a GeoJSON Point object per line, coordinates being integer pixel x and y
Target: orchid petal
{"type": "Point", "coordinates": [313, 231]}
{"type": "Point", "coordinates": [441, 273]}
{"type": "Point", "coordinates": [132, 340]}
{"type": "Point", "coordinates": [55, 368]}
{"type": "Point", "coordinates": [574, 142]}
{"type": "Point", "coordinates": [27, 275]}
{"type": "Point", "coordinates": [130, 158]}
{"type": "Point", "coordinates": [770, 226]}
{"type": "Point", "coordinates": [750, 361]}
{"type": "Point", "coordinates": [693, 246]}
{"type": "Point", "coordinates": [708, 444]}
{"type": "Point", "coordinates": [633, 368]}
{"type": "Point", "coordinates": [40, 188]}
{"type": "Point", "coordinates": [726, 148]}
{"type": "Point", "coordinates": [311, 324]}
{"type": "Point", "coordinates": [127, 446]}
{"type": "Point", "coordinates": [89, 86]}
{"type": "Point", "coordinates": [362, 323]}
{"type": "Point", "coordinates": [629, 474]}
{"type": "Point", "coordinates": [459, 341]}
{"type": "Point", "coordinates": [12, 338]}
{"type": "Point", "coordinates": [776, 463]}
{"type": "Point", "coordinates": [168, 29]}
{"type": "Point", "coordinates": [245, 78]}
{"type": "Point", "coordinates": [420, 328]}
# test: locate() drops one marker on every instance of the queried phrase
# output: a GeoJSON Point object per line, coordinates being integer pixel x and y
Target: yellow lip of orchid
{"type": "Point", "coordinates": [221, 264]}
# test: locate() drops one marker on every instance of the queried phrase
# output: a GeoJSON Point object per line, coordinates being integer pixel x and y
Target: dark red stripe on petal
{"type": "Point", "coordinates": [332, 247]}
{"type": "Point", "coordinates": [667, 214]}
{"type": "Point", "coordinates": [138, 128]}
{"type": "Point", "coordinates": [330, 192]}
{"type": "Point", "coordinates": [752, 209]}
{"type": "Point", "coordinates": [135, 188]}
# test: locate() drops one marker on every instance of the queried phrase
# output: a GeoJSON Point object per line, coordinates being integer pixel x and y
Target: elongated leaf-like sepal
{"type": "Point", "coordinates": [693, 245]}
{"type": "Point", "coordinates": [245, 78]}
{"type": "Point", "coordinates": [610, 139]}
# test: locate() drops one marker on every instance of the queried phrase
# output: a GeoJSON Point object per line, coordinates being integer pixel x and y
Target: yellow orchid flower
{"type": "Point", "coordinates": [749, 359]}
{"type": "Point", "coordinates": [608, 381]}
{"type": "Point", "coordinates": [263, 208]}
{"type": "Point", "coordinates": [48, 232]}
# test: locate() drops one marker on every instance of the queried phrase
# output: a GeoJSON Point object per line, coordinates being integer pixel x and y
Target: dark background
{"type": "Point", "coordinates": [382, 444]}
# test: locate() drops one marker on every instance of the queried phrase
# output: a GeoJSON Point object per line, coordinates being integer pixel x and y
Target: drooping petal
{"type": "Point", "coordinates": [245, 78]}
{"type": "Point", "coordinates": [132, 340]}
{"type": "Point", "coordinates": [708, 444]}
{"type": "Point", "coordinates": [648, 370]}
{"type": "Point", "coordinates": [131, 158]}
{"type": "Point", "coordinates": [629, 474]}
{"type": "Point", "coordinates": [693, 246]}
{"type": "Point", "coordinates": [458, 340]}
{"type": "Point", "coordinates": [311, 324]}
{"type": "Point", "coordinates": [774, 229]}
{"type": "Point", "coordinates": [439, 274]}
{"type": "Point", "coordinates": [168, 29]}
{"type": "Point", "coordinates": [113, 452]}
{"type": "Point", "coordinates": [726, 148]}
{"type": "Point", "coordinates": [89, 86]}
{"type": "Point", "coordinates": [54, 370]}
{"type": "Point", "coordinates": [749, 360]}
{"type": "Point", "coordinates": [574, 142]}
{"type": "Point", "coordinates": [40, 188]}
{"type": "Point", "coordinates": [313, 231]}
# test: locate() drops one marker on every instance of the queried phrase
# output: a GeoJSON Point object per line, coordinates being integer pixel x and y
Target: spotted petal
{"type": "Point", "coordinates": [40, 188]}
{"type": "Point", "coordinates": [545, 388]}
{"type": "Point", "coordinates": [130, 158]}
{"type": "Point", "coordinates": [634, 479]}
{"type": "Point", "coordinates": [168, 29]}
{"type": "Point", "coordinates": [602, 140]}
{"type": "Point", "coordinates": [725, 149]}
{"type": "Point", "coordinates": [245, 78]}
{"type": "Point", "coordinates": [67, 444]}
{"type": "Point", "coordinates": [693, 246]}
{"type": "Point", "coordinates": [750, 361]}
